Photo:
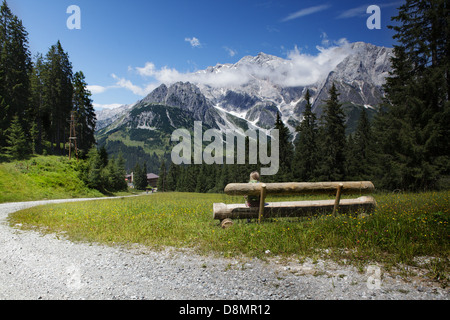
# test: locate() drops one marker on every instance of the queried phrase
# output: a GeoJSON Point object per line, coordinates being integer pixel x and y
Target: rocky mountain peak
{"type": "Point", "coordinates": [358, 70]}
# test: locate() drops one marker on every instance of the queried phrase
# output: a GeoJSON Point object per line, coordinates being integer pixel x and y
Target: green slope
{"type": "Point", "coordinates": [42, 177]}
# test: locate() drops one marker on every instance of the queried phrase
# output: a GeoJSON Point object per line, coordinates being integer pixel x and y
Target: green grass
{"type": "Point", "coordinates": [403, 227]}
{"type": "Point", "coordinates": [41, 177]}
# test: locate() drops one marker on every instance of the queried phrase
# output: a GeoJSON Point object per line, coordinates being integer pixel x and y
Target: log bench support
{"type": "Point", "coordinates": [225, 213]}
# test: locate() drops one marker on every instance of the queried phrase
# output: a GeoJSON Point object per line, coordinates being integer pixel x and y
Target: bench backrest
{"type": "Point", "coordinates": [299, 188]}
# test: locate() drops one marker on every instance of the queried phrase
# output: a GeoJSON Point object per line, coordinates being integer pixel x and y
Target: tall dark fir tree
{"type": "Point", "coordinates": [15, 69]}
{"type": "Point", "coordinates": [84, 113]}
{"type": "Point", "coordinates": [360, 154]}
{"type": "Point", "coordinates": [331, 165]}
{"type": "Point", "coordinates": [57, 95]}
{"type": "Point", "coordinates": [305, 157]}
{"type": "Point", "coordinates": [286, 151]}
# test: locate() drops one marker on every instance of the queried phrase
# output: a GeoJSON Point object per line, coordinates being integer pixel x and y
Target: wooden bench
{"type": "Point", "coordinates": [226, 212]}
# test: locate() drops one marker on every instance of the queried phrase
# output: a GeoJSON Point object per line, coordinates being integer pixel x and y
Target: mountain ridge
{"type": "Point", "coordinates": [250, 93]}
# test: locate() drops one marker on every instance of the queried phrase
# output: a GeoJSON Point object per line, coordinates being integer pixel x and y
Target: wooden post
{"type": "Point", "coordinates": [262, 201]}
{"type": "Point", "coordinates": [338, 198]}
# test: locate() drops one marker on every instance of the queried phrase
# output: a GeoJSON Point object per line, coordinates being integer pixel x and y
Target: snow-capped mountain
{"type": "Point", "coordinates": [249, 93]}
{"type": "Point", "coordinates": [270, 83]}
{"type": "Point", "coordinates": [107, 116]}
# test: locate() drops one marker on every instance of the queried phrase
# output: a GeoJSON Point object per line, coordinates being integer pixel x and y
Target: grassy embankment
{"type": "Point", "coordinates": [42, 177]}
{"type": "Point", "coordinates": [403, 228]}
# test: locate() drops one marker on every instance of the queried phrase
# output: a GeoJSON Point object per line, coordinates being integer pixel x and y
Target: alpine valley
{"type": "Point", "coordinates": [247, 94]}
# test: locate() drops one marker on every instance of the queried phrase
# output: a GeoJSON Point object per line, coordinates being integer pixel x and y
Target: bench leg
{"type": "Point", "coordinates": [262, 201]}
{"type": "Point", "coordinates": [338, 198]}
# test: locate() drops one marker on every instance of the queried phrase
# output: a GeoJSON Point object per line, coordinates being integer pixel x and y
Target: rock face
{"type": "Point", "coordinates": [186, 96]}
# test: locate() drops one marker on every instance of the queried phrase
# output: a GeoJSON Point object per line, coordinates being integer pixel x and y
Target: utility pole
{"type": "Point", "coordinates": [72, 135]}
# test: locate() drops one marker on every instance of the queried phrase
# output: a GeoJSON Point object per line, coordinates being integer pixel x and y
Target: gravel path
{"type": "Point", "coordinates": [35, 266]}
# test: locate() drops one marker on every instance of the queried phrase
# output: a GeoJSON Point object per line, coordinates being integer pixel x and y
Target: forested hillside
{"type": "Point", "coordinates": [38, 95]}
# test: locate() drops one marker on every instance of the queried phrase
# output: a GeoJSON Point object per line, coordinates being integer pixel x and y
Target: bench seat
{"type": "Point", "coordinates": [223, 211]}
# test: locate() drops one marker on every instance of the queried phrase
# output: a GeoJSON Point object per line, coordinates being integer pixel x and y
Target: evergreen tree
{"type": "Point", "coordinates": [172, 177]}
{"type": "Point", "coordinates": [17, 143]}
{"type": "Point", "coordinates": [57, 95]}
{"type": "Point", "coordinates": [93, 176]}
{"type": "Point", "coordinates": [140, 176]}
{"type": "Point", "coordinates": [305, 157]}
{"type": "Point", "coordinates": [84, 111]}
{"type": "Point", "coordinates": [161, 185]}
{"type": "Point", "coordinates": [222, 177]}
{"type": "Point", "coordinates": [15, 69]}
{"type": "Point", "coordinates": [286, 151]}
{"type": "Point", "coordinates": [352, 165]}
{"type": "Point", "coordinates": [119, 174]}
{"type": "Point", "coordinates": [180, 182]}
{"type": "Point", "coordinates": [360, 155]}
{"type": "Point", "coordinates": [333, 140]}
{"type": "Point", "coordinates": [416, 142]}
{"type": "Point", "coordinates": [201, 183]}
{"type": "Point", "coordinates": [191, 175]}
{"type": "Point", "coordinates": [36, 101]}
{"type": "Point", "coordinates": [103, 156]}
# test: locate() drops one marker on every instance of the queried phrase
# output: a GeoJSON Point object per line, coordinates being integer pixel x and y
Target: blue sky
{"type": "Point", "coordinates": [126, 48]}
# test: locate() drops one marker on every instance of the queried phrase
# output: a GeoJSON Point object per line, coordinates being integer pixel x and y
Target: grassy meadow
{"type": "Point", "coordinates": [403, 228]}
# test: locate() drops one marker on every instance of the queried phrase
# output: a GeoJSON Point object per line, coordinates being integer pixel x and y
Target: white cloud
{"type": "Point", "coordinates": [306, 12]}
{"type": "Point", "coordinates": [298, 69]}
{"type": "Point", "coordinates": [137, 90]}
{"type": "Point", "coordinates": [193, 41]}
{"type": "Point", "coordinates": [353, 12]}
{"type": "Point", "coordinates": [148, 70]}
{"type": "Point", "coordinates": [230, 51]}
{"type": "Point", "coordinates": [97, 89]}
{"type": "Point", "coordinates": [325, 40]}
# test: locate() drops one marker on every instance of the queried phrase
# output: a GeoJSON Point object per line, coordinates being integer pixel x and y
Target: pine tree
{"type": "Point", "coordinates": [333, 140]}
{"type": "Point", "coordinates": [17, 143]}
{"type": "Point", "coordinates": [36, 100]}
{"type": "Point", "coordinates": [140, 176]}
{"type": "Point", "coordinates": [286, 151]}
{"type": "Point", "coordinates": [15, 69]}
{"type": "Point", "coordinates": [360, 154]}
{"type": "Point", "coordinates": [305, 157]}
{"type": "Point", "coordinates": [172, 177]}
{"type": "Point", "coordinates": [84, 112]}
{"type": "Point", "coordinates": [57, 94]}
{"type": "Point", "coordinates": [161, 185]}
{"type": "Point", "coordinates": [93, 176]}
{"type": "Point", "coordinates": [119, 174]}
